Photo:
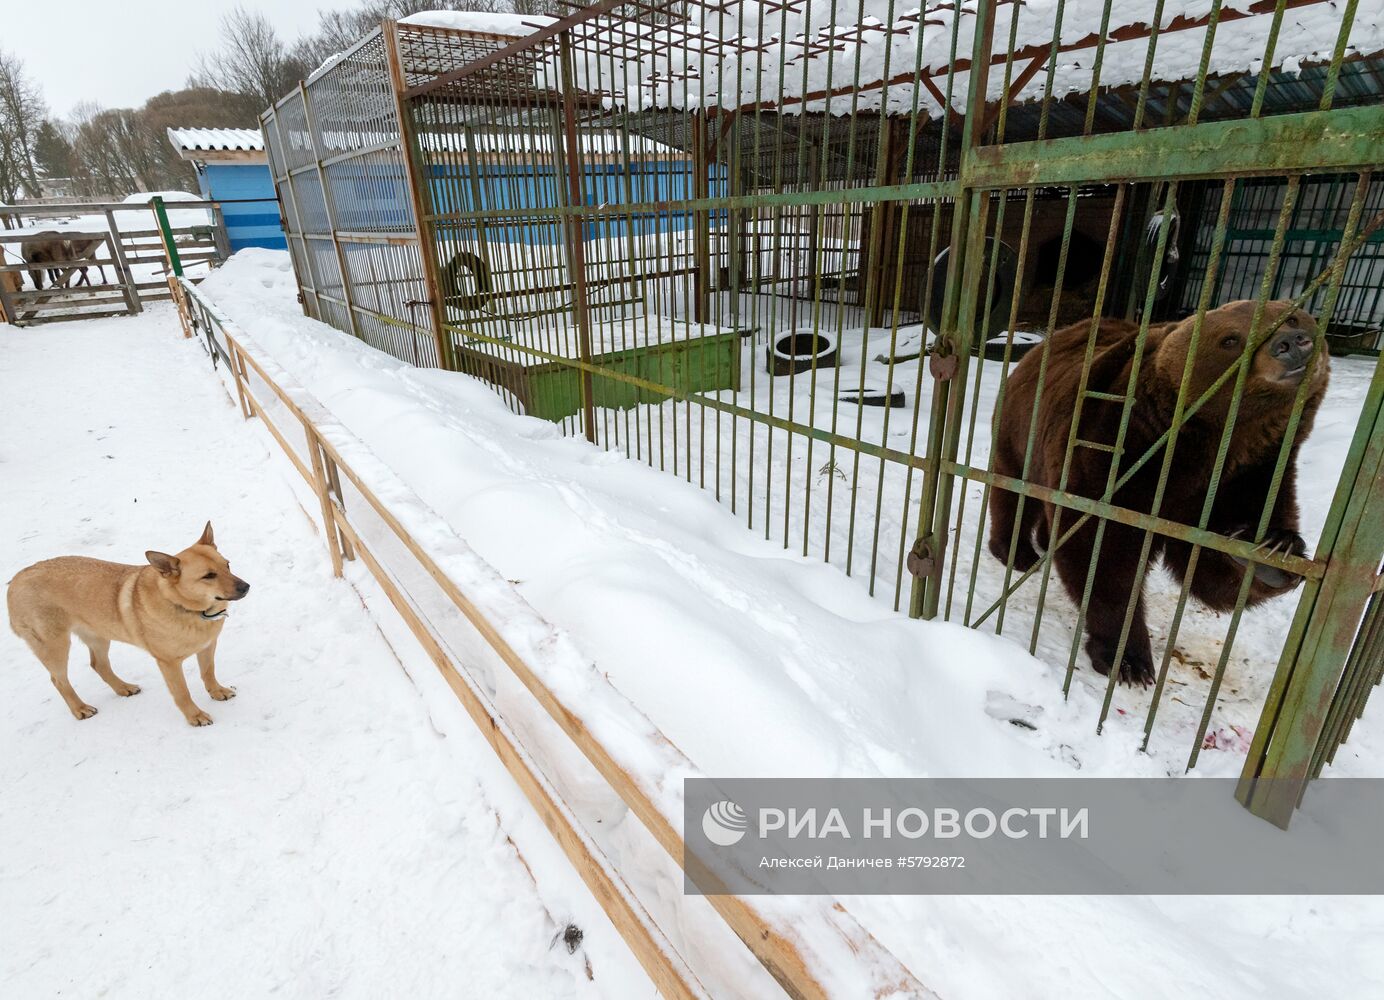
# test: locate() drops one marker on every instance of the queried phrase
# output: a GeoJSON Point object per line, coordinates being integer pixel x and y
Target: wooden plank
{"type": "Point", "coordinates": [57, 234]}
{"type": "Point", "coordinates": [773, 944]}
{"type": "Point", "coordinates": [69, 298]}
{"type": "Point", "coordinates": [91, 208]}
{"type": "Point", "coordinates": [33, 320]}
{"type": "Point", "coordinates": [122, 265]}
{"type": "Point", "coordinates": [319, 485]}
{"type": "Point", "coordinates": [199, 233]}
{"type": "Point", "coordinates": [246, 156]}
{"type": "Point", "coordinates": [218, 233]}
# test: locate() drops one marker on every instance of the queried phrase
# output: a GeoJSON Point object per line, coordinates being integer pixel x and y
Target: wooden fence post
{"type": "Point", "coordinates": [122, 265]}
{"type": "Point", "coordinates": [319, 484]}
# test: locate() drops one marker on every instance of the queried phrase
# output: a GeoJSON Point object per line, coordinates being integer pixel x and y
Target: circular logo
{"type": "Point", "coordinates": [725, 823]}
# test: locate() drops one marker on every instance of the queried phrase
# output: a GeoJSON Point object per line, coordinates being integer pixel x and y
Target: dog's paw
{"type": "Point", "coordinates": [221, 693]}
{"type": "Point", "coordinates": [83, 712]}
{"type": "Point", "coordinates": [126, 689]}
{"type": "Point", "coordinates": [199, 718]}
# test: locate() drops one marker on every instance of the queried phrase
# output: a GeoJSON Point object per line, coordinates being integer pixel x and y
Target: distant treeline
{"type": "Point", "coordinates": [111, 152]}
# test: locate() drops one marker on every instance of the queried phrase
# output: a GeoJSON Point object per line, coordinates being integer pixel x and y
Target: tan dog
{"type": "Point", "coordinates": [172, 608]}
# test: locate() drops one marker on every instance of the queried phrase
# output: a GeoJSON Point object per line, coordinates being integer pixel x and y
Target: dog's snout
{"type": "Point", "coordinates": [1291, 348]}
{"type": "Point", "coordinates": [241, 587]}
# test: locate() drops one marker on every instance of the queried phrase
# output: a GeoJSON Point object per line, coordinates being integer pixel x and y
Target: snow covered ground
{"type": "Point", "coordinates": [758, 661]}
{"type": "Point", "coordinates": [334, 833]}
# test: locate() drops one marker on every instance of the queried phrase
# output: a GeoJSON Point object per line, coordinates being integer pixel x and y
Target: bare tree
{"type": "Point", "coordinates": [250, 59]}
{"type": "Point", "coordinates": [114, 150]}
{"type": "Point", "coordinates": [548, 8]}
{"type": "Point", "coordinates": [22, 111]}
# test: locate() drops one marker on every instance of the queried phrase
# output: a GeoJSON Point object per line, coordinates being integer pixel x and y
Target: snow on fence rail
{"type": "Point", "coordinates": [811, 946]}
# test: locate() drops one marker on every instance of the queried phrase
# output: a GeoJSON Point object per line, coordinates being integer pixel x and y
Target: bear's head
{"type": "Point", "coordinates": [1287, 351]}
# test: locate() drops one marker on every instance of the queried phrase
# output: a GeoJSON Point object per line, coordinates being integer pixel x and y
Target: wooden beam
{"type": "Point", "coordinates": [252, 157]}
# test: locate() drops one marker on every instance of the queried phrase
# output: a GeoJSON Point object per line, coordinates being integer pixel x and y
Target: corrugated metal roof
{"type": "Point", "coordinates": [231, 139]}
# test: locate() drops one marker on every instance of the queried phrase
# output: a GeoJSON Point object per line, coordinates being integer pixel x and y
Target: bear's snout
{"type": "Point", "coordinates": [1292, 349]}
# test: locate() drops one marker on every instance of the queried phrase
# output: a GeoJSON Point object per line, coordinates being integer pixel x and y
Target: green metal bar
{"type": "Point", "coordinates": [1211, 278]}
{"type": "Point", "coordinates": [1361, 674]}
{"type": "Point", "coordinates": [175, 262]}
{"type": "Point", "coordinates": [1296, 712]}
{"type": "Point", "coordinates": [958, 317]}
{"type": "Point", "coordinates": [1317, 141]}
{"type": "Point", "coordinates": [1271, 274]}
{"type": "Point", "coordinates": [822, 196]}
{"type": "Point", "coordinates": [935, 231]}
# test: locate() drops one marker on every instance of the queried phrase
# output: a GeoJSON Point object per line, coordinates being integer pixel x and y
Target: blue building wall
{"type": "Point", "coordinates": [247, 225]}
{"type": "Point", "coordinates": [539, 186]}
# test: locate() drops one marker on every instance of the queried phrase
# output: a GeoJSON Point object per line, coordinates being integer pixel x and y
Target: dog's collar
{"type": "Point", "coordinates": [213, 618]}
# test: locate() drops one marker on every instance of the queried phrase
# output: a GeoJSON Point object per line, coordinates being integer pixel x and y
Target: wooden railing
{"type": "Point", "coordinates": [640, 777]}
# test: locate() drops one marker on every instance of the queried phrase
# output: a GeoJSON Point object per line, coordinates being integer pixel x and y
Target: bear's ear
{"type": "Point", "coordinates": [163, 562]}
{"type": "Point", "coordinates": [207, 538]}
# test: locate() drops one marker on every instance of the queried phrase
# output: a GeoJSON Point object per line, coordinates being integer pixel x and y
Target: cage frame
{"type": "Point", "coordinates": [1062, 149]}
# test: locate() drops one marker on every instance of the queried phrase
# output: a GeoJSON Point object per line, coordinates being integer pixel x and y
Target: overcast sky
{"type": "Point", "coordinates": [122, 52]}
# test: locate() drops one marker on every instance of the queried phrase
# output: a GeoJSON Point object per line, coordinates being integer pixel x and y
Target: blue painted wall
{"type": "Point", "coordinates": [248, 225]}
{"type": "Point", "coordinates": [540, 186]}
{"type": "Point", "coordinates": [369, 198]}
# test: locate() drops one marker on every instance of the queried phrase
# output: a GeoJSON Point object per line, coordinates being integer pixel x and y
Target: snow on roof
{"type": "Point", "coordinates": [187, 140]}
{"type": "Point", "coordinates": [826, 57]}
{"type": "Point", "coordinates": [516, 25]}
{"type": "Point", "coordinates": [480, 22]}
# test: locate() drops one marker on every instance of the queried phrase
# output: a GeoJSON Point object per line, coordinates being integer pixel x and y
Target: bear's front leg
{"type": "Point", "coordinates": [1102, 641]}
{"type": "Point", "coordinates": [1114, 586]}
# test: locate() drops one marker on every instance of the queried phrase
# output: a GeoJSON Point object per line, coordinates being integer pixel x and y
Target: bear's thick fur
{"type": "Point", "coordinates": [1294, 353]}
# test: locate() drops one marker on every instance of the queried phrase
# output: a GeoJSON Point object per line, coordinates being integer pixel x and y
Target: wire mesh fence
{"type": "Point", "coordinates": [944, 296]}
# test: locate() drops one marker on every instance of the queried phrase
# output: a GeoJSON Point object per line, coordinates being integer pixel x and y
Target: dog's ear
{"type": "Point", "coordinates": [206, 538]}
{"type": "Point", "coordinates": [163, 562]}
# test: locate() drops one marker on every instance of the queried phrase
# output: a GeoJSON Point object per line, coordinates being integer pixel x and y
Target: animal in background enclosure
{"type": "Point", "coordinates": [1292, 354]}
{"type": "Point", "coordinates": [172, 608]}
{"type": "Point", "coordinates": [84, 250]}
{"type": "Point", "coordinates": [44, 252]}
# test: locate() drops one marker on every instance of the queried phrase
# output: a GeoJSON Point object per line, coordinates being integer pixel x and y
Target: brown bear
{"type": "Point", "coordinates": [1291, 354]}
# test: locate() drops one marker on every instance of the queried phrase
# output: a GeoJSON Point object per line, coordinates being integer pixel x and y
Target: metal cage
{"type": "Point", "coordinates": [793, 253]}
